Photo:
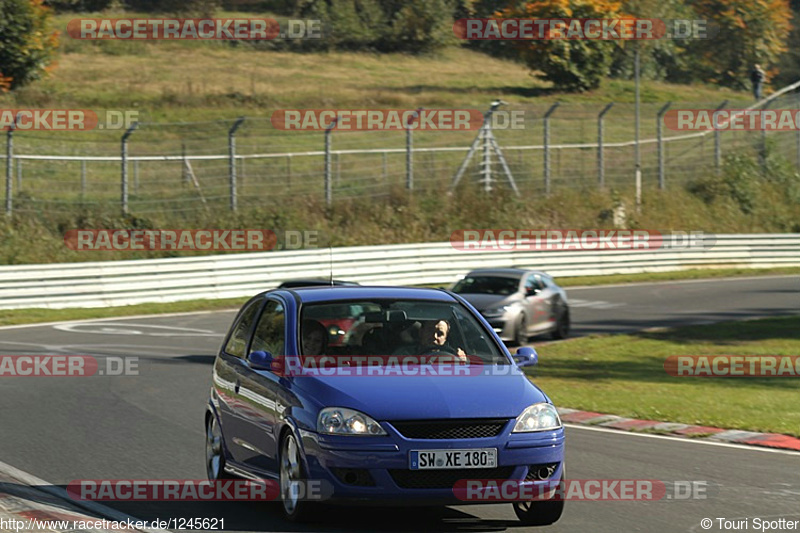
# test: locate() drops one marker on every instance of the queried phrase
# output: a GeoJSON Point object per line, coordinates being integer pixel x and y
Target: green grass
{"type": "Point", "coordinates": [624, 375]}
{"type": "Point", "coordinates": [11, 317]}
{"type": "Point", "coordinates": [697, 273]}
{"type": "Point", "coordinates": [162, 78]}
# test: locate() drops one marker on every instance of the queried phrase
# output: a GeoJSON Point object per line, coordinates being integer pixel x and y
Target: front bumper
{"type": "Point", "coordinates": [386, 462]}
{"type": "Point", "coordinates": [503, 325]}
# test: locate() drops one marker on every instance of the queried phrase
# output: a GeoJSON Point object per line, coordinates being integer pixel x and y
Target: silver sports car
{"type": "Point", "coordinates": [517, 303]}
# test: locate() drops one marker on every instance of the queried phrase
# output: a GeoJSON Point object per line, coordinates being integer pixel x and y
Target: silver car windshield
{"type": "Point", "coordinates": [502, 286]}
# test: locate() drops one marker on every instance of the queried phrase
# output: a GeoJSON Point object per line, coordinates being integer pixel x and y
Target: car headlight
{"type": "Point", "coordinates": [343, 421]}
{"type": "Point", "coordinates": [537, 417]}
{"type": "Point", "coordinates": [497, 310]}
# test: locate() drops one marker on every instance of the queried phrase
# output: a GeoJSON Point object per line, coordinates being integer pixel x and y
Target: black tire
{"type": "Point", "coordinates": [539, 513]}
{"type": "Point", "coordinates": [520, 331]}
{"type": "Point", "coordinates": [291, 470]}
{"type": "Point", "coordinates": [215, 451]}
{"type": "Point", "coordinates": [562, 326]}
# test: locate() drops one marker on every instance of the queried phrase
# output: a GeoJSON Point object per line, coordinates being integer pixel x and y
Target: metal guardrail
{"type": "Point", "coordinates": [106, 284]}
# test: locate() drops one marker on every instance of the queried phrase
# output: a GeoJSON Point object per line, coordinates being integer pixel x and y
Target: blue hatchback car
{"type": "Point", "coordinates": [408, 437]}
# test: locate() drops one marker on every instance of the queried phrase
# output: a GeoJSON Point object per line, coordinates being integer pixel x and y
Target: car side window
{"type": "Point", "coordinates": [237, 343]}
{"type": "Point", "coordinates": [532, 283]}
{"type": "Point", "coordinates": [270, 335]}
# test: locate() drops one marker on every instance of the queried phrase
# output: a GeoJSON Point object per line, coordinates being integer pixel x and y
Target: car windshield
{"type": "Point", "coordinates": [395, 327]}
{"type": "Point", "coordinates": [487, 285]}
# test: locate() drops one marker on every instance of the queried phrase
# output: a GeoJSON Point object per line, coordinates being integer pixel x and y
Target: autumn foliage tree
{"type": "Point", "coordinates": [26, 45]}
{"type": "Point", "coordinates": [570, 64]}
{"type": "Point", "coordinates": [748, 32]}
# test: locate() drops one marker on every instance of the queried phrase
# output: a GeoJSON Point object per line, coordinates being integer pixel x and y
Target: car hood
{"type": "Point", "coordinates": [427, 397]}
{"type": "Point", "coordinates": [481, 302]}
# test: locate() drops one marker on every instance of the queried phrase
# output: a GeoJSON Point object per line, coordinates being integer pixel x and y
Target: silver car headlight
{"type": "Point", "coordinates": [343, 421]}
{"type": "Point", "coordinates": [497, 310]}
{"type": "Point", "coordinates": [538, 417]}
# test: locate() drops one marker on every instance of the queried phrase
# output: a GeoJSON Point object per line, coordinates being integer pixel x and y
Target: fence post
{"type": "Point", "coordinates": [184, 173]}
{"type": "Point", "coordinates": [660, 136]}
{"type": "Point", "coordinates": [232, 161]}
{"type": "Point", "coordinates": [601, 169]}
{"type": "Point", "coordinates": [547, 147]}
{"type": "Point", "coordinates": [763, 147]}
{"type": "Point", "coordinates": [83, 178]}
{"type": "Point", "coordinates": [328, 183]}
{"type": "Point", "coordinates": [718, 142]}
{"type": "Point", "coordinates": [410, 150]}
{"type": "Point", "coordinates": [10, 165]}
{"type": "Point", "coordinates": [797, 133]}
{"type": "Point", "coordinates": [124, 158]}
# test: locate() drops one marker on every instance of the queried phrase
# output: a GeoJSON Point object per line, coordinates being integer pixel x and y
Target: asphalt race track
{"type": "Point", "coordinates": [150, 426]}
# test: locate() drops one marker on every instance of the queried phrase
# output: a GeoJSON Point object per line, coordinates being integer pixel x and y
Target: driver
{"type": "Point", "coordinates": [433, 340]}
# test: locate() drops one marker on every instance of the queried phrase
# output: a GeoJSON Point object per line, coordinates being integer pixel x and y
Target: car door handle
{"type": "Point", "coordinates": [236, 387]}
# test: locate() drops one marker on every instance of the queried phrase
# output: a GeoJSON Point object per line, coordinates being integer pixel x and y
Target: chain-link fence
{"type": "Point", "coordinates": [234, 164]}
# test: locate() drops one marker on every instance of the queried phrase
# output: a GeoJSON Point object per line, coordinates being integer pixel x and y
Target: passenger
{"type": "Point", "coordinates": [314, 338]}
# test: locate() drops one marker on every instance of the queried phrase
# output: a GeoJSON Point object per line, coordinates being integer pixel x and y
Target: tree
{"type": "Point", "coordinates": [420, 25]}
{"type": "Point", "coordinates": [748, 32]}
{"type": "Point", "coordinates": [664, 58]}
{"type": "Point", "coordinates": [570, 64]}
{"type": "Point", "coordinates": [26, 45]}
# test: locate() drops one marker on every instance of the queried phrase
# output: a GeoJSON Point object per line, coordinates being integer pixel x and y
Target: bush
{"type": "Point", "coordinates": [769, 194]}
{"type": "Point", "coordinates": [571, 65]}
{"type": "Point", "coordinates": [348, 24]}
{"type": "Point", "coordinates": [414, 26]}
{"type": "Point", "coordinates": [420, 26]}
{"type": "Point", "coordinates": [204, 8]}
{"type": "Point", "coordinates": [749, 32]}
{"type": "Point", "coordinates": [26, 44]}
{"type": "Point", "coordinates": [83, 6]}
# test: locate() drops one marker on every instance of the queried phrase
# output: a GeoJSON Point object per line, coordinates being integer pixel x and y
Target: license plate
{"type": "Point", "coordinates": [452, 459]}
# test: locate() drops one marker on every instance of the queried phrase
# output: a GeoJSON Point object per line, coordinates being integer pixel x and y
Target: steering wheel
{"type": "Point", "coordinates": [436, 349]}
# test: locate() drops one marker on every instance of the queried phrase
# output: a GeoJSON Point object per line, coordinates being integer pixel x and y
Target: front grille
{"type": "Point", "coordinates": [445, 479]}
{"type": "Point", "coordinates": [450, 429]}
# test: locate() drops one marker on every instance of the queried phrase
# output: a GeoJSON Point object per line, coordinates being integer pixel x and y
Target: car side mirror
{"type": "Point", "coordinates": [526, 356]}
{"type": "Point", "coordinates": [260, 360]}
{"type": "Point", "coordinates": [532, 291]}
